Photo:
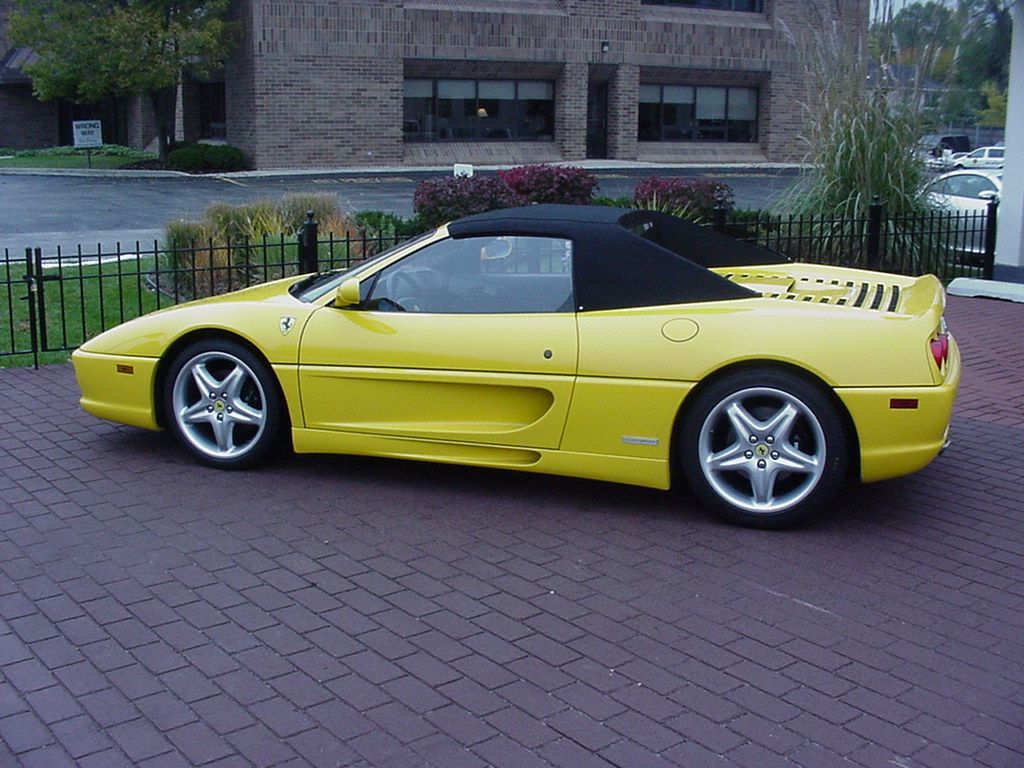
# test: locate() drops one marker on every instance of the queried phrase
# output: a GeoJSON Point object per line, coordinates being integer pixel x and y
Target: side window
{"type": "Point", "coordinates": [996, 154]}
{"type": "Point", "coordinates": [940, 187]}
{"type": "Point", "coordinates": [479, 275]}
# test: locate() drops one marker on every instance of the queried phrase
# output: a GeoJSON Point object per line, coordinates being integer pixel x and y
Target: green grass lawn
{"type": "Point", "coordinates": [67, 161]}
{"type": "Point", "coordinates": [81, 302]}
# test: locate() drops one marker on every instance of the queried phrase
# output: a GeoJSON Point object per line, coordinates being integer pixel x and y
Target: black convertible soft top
{"type": "Point", "coordinates": [629, 258]}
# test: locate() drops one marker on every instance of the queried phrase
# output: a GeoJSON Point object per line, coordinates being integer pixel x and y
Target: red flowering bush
{"type": "Point", "coordinates": [551, 184]}
{"type": "Point", "coordinates": [693, 198]}
{"type": "Point", "coordinates": [440, 200]}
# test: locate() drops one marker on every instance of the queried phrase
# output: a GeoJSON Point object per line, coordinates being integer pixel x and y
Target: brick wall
{"type": "Point", "coordinates": [319, 82]}
{"type": "Point", "coordinates": [26, 123]}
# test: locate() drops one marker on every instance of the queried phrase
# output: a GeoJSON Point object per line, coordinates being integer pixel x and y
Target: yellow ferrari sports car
{"type": "Point", "coordinates": [620, 345]}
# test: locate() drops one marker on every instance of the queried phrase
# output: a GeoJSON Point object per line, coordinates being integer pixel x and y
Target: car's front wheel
{"type": "Point", "coordinates": [763, 448]}
{"type": "Point", "coordinates": [222, 403]}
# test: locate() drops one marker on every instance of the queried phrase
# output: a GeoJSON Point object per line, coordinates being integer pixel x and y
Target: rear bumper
{"type": "Point", "coordinates": [896, 442]}
{"type": "Point", "coordinates": [117, 387]}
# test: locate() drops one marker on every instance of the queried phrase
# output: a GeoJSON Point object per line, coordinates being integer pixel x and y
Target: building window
{"type": "Point", "coordinates": [212, 111]}
{"type": "Point", "coordinates": [751, 6]}
{"type": "Point", "coordinates": [479, 110]}
{"type": "Point", "coordinates": [697, 113]}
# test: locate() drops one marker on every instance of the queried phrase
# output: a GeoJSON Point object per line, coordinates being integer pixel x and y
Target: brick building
{"type": "Point", "coordinates": [318, 83]}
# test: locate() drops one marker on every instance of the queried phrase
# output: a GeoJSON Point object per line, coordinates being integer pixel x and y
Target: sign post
{"type": "Point", "coordinates": [88, 136]}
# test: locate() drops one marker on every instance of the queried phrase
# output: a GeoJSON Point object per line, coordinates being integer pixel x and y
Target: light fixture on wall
{"type": "Point", "coordinates": [605, 46]}
{"type": "Point", "coordinates": [482, 112]}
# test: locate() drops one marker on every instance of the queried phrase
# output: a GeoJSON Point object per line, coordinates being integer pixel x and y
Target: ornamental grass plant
{"type": "Point", "coordinates": [862, 127]}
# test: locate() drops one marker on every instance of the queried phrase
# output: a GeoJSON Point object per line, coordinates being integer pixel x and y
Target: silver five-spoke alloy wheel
{"type": "Point", "coordinates": [762, 450]}
{"type": "Point", "coordinates": [219, 405]}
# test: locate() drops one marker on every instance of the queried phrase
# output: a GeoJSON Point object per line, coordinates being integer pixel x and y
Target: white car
{"type": "Point", "coordinates": [967, 193]}
{"type": "Point", "coordinates": [984, 157]}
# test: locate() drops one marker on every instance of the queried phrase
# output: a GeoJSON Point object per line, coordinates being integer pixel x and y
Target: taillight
{"type": "Point", "coordinates": [940, 345]}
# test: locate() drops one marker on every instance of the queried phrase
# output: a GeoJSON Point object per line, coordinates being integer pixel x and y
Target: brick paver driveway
{"type": "Point", "coordinates": [336, 611]}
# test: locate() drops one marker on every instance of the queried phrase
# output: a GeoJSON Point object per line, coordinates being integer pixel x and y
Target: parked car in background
{"type": "Point", "coordinates": [967, 193]}
{"type": "Point", "coordinates": [984, 157]}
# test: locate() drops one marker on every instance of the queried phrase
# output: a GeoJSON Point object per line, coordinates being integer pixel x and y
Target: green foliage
{"type": "Point", "coordinates": [387, 224]}
{"type": "Point", "coordinates": [615, 202]}
{"type": "Point", "coordinates": [91, 49]}
{"type": "Point", "coordinates": [206, 158]}
{"type": "Point", "coordinates": [107, 150]}
{"type": "Point", "coordinates": [994, 115]}
{"type": "Point", "coordinates": [963, 46]}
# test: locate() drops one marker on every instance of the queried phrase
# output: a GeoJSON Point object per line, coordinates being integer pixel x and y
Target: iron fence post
{"type": "Point", "coordinates": [718, 214]}
{"type": "Point", "coordinates": [308, 245]}
{"type": "Point", "coordinates": [991, 223]}
{"type": "Point", "coordinates": [44, 341]}
{"type": "Point", "coordinates": [874, 245]}
{"type": "Point", "coordinates": [31, 288]}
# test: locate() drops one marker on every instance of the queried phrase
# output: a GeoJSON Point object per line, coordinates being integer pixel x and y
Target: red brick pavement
{"type": "Point", "coordinates": [337, 611]}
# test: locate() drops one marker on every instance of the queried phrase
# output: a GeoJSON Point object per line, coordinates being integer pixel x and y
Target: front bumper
{"type": "Point", "coordinates": [117, 387]}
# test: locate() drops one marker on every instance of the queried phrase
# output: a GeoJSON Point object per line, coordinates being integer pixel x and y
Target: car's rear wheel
{"type": "Point", "coordinates": [763, 448]}
{"type": "Point", "coordinates": [222, 403]}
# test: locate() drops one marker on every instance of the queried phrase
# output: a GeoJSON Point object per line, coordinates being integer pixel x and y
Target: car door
{"type": "Point", "coordinates": [468, 340]}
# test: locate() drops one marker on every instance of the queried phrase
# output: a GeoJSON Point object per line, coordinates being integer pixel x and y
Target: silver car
{"type": "Point", "coordinates": [967, 193]}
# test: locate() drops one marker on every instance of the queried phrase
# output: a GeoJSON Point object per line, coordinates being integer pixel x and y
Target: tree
{"type": "Point", "coordinates": [994, 115]}
{"type": "Point", "coordinates": [962, 46]}
{"type": "Point", "coordinates": [92, 49]}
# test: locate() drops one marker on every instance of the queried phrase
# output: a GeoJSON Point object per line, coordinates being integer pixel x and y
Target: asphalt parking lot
{"type": "Point", "coordinates": [334, 611]}
{"type": "Point", "coordinates": [45, 211]}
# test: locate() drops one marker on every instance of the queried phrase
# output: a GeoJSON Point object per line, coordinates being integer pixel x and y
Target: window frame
{"type": "Point", "coordinates": [727, 5]}
{"type": "Point", "coordinates": [370, 302]}
{"type": "Point", "coordinates": [521, 109]}
{"type": "Point", "coordinates": [726, 130]}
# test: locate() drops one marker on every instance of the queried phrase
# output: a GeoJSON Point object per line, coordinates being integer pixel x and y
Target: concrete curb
{"type": "Point", "coordinates": [987, 289]}
{"type": "Point", "coordinates": [591, 165]}
{"type": "Point", "coordinates": [94, 173]}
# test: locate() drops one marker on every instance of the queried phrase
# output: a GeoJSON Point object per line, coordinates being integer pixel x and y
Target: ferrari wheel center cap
{"type": "Point", "coordinates": [219, 406]}
{"type": "Point", "coordinates": [761, 450]}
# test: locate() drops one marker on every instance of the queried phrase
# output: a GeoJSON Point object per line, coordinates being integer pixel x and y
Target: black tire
{"type": "Point", "coordinates": [802, 466]}
{"type": "Point", "coordinates": [218, 428]}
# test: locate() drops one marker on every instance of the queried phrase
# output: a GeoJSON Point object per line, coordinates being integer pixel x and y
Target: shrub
{"type": "Point", "coordinates": [204, 158]}
{"type": "Point", "coordinates": [690, 198]}
{"type": "Point", "coordinates": [252, 221]}
{"type": "Point", "coordinates": [440, 200]}
{"type": "Point", "coordinates": [615, 202]}
{"type": "Point", "coordinates": [551, 184]}
{"type": "Point", "coordinates": [386, 224]}
{"type": "Point", "coordinates": [198, 264]}
{"type": "Point", "coordinates": [326, 210]}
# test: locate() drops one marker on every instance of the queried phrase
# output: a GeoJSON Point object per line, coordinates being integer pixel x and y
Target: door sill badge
{"type": "Point", "coordinates": [631, 440]}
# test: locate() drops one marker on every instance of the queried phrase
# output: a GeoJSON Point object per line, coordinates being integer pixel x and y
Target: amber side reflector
{"type": "Point", "coordinates": [903, 403]}
{"type": "Point", "coordinates": [126, 368]}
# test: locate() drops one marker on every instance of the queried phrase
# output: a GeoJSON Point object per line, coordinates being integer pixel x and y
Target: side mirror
{"type": "Point", "coordinates": [348, 294]}
{"type": "Point", "coordinates": [988, 194]}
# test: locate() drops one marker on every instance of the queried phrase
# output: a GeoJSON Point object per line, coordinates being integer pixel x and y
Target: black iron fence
{"type": "Point", "coordinates": [948, 244]}
{"type": "Point", "coordinates": [52, 304]}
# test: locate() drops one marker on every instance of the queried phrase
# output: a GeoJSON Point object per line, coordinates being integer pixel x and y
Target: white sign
{"type": "Point", "coordinates": [462, 169]}
{"type": "Point", "coordinates": [88, 134]}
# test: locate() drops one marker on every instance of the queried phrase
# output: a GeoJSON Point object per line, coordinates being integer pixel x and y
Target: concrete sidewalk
{"type": "Point", "coordinates": [328, 611]}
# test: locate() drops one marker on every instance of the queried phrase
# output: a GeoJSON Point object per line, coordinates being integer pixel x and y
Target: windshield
{"type": "Point", "coordinates": [315, 286]}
